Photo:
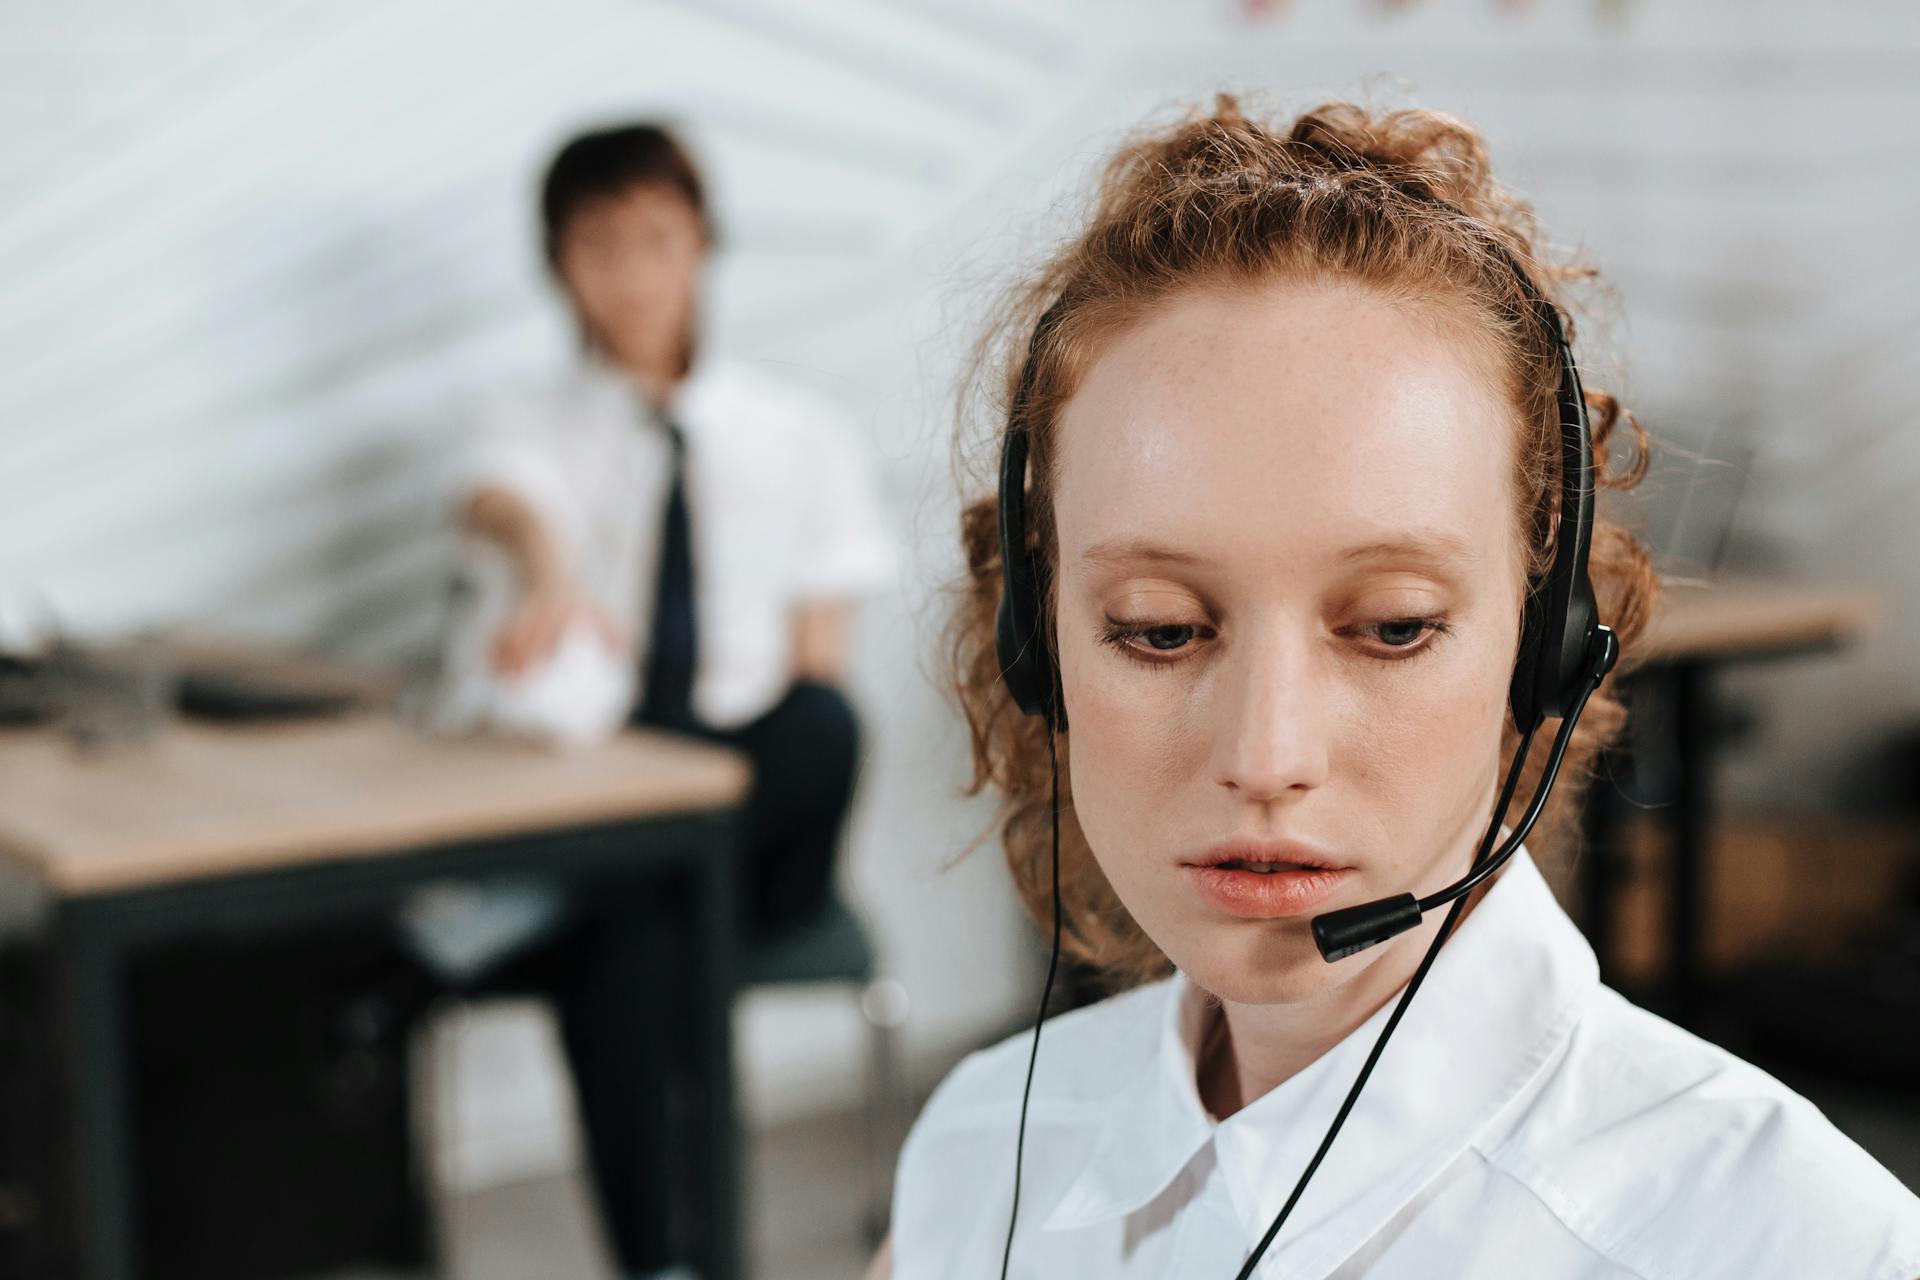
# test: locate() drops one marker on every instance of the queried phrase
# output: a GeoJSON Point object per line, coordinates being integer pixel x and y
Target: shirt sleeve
{"type": "Point", "coordinates": [847, 548]}
{"type": "Point", "coordinates": [514, 451]}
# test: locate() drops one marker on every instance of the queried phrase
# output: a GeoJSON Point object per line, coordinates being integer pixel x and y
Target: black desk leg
{"type": "Point", "coordinates": [717, 1134]}
{"type": "Point", "coordinates": [1692, 818]}
{"type": "Point", "coordinates": [92, 1018]}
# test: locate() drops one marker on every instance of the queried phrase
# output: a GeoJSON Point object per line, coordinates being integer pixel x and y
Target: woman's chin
{"type": "Point", "coordinates": [1253, 967]}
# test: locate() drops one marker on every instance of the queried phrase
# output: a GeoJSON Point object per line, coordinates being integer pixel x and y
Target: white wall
{"type": "Point", "coordinates": [253, 257]}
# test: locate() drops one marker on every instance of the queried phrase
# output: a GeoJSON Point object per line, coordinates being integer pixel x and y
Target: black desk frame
{"type": "Point", "coordinates": [91, 935]}
{"type": "Point", "coordinates": [1675, 693]}
{"type": "Point", "coordinates": [1682, 689]}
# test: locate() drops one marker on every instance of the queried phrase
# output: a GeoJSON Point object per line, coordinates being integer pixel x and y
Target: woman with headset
{"type": "Point", "coordinates": [1293, 604]}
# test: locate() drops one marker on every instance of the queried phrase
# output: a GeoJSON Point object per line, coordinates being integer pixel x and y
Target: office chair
{"type": "Point", "coordinates": [834, 946]}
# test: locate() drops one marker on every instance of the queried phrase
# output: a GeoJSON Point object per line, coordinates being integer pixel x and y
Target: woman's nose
{"type": "Point", "coordinates": [1272, 741]}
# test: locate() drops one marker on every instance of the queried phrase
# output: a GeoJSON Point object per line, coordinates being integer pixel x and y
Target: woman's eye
{"type": "Point", "coordinates": [1165, 638]}
{"type": "Point", "coordinates": [1400, 638]}
{"type": "Point", "coordinates": [1152, 643]}
{"type": "Point", "coordinates": [1401, 631]}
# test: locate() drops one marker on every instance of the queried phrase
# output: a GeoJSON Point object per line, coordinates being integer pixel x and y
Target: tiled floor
{"type": "Point", "coordinates": [809, 1201]}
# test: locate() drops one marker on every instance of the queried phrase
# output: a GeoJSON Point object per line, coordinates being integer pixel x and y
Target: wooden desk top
{"type": "Point", "coordinates": [1749, 619]}
{"type": "Point", "coordinates": [202, 801]}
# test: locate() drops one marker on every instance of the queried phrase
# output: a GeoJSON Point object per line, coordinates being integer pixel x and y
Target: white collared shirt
{"type": "Point", "coordinates": [784, 509]}
{"type": "Point", "coordinates": [1524, 1122]}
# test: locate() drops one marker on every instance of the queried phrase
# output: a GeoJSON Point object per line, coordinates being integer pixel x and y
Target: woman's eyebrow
{"type": "Point", "coordinates": [1136, 550]}
{"type": "Point", "coordinates": [1435, 546]}
{"type": "Point", "coordinates": [1430, 546]}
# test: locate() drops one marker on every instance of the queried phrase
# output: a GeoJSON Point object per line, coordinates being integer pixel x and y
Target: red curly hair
{"type": "Point", "coordinates": [1402, 204]}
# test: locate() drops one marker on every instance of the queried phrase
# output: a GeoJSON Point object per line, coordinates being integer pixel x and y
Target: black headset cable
{"type": "Point", "coordinates": [1053, 964]}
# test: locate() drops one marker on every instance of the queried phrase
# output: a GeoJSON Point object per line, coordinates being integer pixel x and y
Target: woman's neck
{"type": "Point", "coordinates": [1251, 1049]}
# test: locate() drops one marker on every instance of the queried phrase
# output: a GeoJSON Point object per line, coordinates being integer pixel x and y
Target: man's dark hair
{"type": "Point", "coordinates": [607, 162]}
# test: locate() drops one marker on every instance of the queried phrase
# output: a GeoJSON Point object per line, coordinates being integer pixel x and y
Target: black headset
{"type": "Point", "coordinates": [1564, 654]}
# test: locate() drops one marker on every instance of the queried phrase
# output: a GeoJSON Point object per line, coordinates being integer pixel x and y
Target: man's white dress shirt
{"type": "Point", "coordinates": [1524, 1123]}
{"type": "Point", "coordinates": [784, 509]}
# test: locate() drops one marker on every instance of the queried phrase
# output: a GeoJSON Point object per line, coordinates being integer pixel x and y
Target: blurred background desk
{"type": "Point", "coordinates": [260, 829]}
{"type": "Point", "coordinates": [1700, 630]}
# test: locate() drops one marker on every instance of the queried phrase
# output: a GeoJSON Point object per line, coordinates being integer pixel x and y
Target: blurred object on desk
{"type": "Point", "coordinates": [108, 693]}
{"type": "Point", "coordinates": [224, 680]}
{"type": "Point", "coordinates": [104, 695]}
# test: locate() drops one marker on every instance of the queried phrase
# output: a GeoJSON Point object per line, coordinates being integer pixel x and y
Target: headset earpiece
{"type": "Point", "coordinates": [1561, 619]}
{"type": "Point", "coordinates": [1026, 659]}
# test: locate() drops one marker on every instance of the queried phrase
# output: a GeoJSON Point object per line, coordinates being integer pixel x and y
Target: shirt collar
{"type": "Point", "coordinates": [608, 384]}
{"type": "Point", "coordinates": [1151, 1128]}
{"type": "Point", "coordinates": [1502, 996]}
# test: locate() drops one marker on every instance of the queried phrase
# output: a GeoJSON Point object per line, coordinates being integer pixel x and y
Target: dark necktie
{"type": "Point", "coordinates": [666, 677]}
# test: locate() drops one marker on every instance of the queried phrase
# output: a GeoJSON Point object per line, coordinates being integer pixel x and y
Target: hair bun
{"type": "Point", "coordinates": [1439, 154]}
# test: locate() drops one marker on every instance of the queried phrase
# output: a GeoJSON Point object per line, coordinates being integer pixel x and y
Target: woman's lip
{"type": "Point", "coordinates": [1285, 853]}
{"type": "Point", "coordinates": [1266, 895]}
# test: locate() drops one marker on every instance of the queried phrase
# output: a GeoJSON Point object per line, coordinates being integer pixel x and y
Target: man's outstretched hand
{"type": "Point", "coordinates": [533, 630]}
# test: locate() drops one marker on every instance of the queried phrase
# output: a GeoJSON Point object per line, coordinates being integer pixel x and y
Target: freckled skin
{"type": "Point", "coordinates": [1264, 431]}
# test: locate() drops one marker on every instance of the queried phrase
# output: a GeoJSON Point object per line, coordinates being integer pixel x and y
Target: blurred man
{"type": "Point", "coordinates": [707, 527]}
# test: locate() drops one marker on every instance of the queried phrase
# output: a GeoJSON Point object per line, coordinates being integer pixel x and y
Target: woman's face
{"type": "Point", "coordinates": [631, 264]}
{"type": "Point", "coordinates": [1289, 593]}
